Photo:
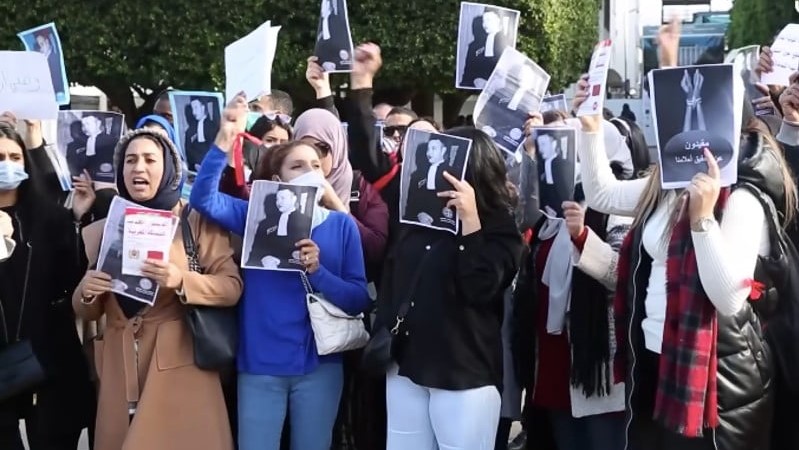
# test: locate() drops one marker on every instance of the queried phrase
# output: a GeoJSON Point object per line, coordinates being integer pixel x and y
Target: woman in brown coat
{"type": "Point", "coordinates": [151, 394]}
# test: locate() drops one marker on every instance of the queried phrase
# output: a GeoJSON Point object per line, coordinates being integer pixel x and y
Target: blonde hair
{"type": "Point", "coordinates": [653, 194]}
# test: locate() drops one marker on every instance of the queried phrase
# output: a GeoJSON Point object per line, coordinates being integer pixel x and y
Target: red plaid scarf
{"type": "Point", "coordinates": [686, 401]}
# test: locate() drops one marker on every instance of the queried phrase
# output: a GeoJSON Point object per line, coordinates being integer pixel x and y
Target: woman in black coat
{"type": "Point", "coordinates": [35, 285]}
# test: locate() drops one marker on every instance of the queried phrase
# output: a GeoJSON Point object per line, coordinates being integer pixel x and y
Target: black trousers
{"type": "Point", "coordinates": [41, 435]}
{"type": "Point", "coordinates": [645, 433]}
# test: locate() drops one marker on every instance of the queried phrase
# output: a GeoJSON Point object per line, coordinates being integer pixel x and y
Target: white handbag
{"type": "Point", "coordinates": [334, 330]}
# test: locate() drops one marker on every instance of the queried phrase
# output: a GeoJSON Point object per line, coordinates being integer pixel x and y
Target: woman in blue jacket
{"type": "Point", "coordinates": [278, 364]}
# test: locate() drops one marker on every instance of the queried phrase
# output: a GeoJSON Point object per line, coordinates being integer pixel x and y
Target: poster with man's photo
{"type": "Point", "coordinates": [744, 61]}
{"type": "Point", "coordinates": [426, 157]}
{"type": "Point", "coordinates": [333, 38]}
{"type": "Point", "coordinates": [554, 103]}
{"type": "Point", "coordinates": [279, 216]}
{"type": "Point", "coordinates": [44, 39]}
{"type": "Point", "coordinates": [86, 140]}
{"type": "Point", "coordinates": [522, 170]}
{"type": "Point", "coordinates": [555, 149]}
{"type": "Point", "coordinates": [484, 32]}
{"type": "Point", "coordinates": [111, 255]}
{"type": "Point", "coordinates": [197, 119]}
{"type": "Point", "coordinates": [696, 108]}
{"type": "Point", "coordinates": [513, 91]}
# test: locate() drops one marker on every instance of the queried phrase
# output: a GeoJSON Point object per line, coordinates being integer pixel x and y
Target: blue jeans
{"type": "Point", "coordinates": [312, 401]}
{"type": "Point", "coordinates": [600, 432]}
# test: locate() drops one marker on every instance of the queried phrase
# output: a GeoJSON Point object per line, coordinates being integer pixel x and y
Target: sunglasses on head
{"type": "Point", "coordinates": [389, 131]}
{"type": "Point", "coordinates": [278, 117]}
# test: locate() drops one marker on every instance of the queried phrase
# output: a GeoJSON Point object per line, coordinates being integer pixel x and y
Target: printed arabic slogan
{"type": "Point", "coordinates": [696, 108]}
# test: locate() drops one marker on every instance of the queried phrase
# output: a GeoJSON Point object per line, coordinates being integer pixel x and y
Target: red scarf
{"type": "Point", "coordinates": [686, 401]}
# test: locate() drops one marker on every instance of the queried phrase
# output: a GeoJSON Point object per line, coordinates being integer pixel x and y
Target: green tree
{"type": "Point", "coordinates": [759, 21]}
{"type": "Point", "coordinates": [124, 47]}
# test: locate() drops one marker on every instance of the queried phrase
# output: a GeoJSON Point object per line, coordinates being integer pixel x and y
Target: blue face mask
{"type": "Point", "coordinates": [11, 175]}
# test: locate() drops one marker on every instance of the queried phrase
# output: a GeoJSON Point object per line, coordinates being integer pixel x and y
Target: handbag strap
{"type": "Point", "coordinates": [306, 283]}
{"type": "Point", "coordinates": [402, 311]}
{"type": "Point", "coordinates": [189, 244]}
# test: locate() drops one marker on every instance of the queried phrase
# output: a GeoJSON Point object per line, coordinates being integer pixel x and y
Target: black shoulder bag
{"type": "Point", "coordinates": [215, 329]}
{"type": "Point", "coordinates": [378, 355]}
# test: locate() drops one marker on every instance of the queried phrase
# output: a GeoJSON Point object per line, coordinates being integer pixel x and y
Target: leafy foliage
{"type": "Point", "coordinates": [759, 21]}
{"type": "Point", "coordinates": [149, 44]}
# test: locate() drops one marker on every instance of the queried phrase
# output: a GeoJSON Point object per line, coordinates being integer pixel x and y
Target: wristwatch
{"type": "Point", "coordinates": [703, 225]}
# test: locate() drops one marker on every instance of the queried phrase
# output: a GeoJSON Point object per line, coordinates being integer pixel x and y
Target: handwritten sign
{"type": "Point", "coordinates": [248, 63]}
{"type": "Point", "coordinates": [785, 56]}
{"type": "Point", "coordinates": [597, 80]}
{"type": "Point", "coordinates": [25, 86]}
{"type": "Point", "coordinates": [147, 235]}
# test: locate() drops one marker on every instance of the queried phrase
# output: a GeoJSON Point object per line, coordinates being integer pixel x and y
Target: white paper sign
{"type": "Point", "coordinates": [26, 88]}
{"type": "Point", "coordinates": [248, 63]}
{"type": "Point", "coordinates": [597, 80]}
{"type": "Point", "coordinates": [785, 57]}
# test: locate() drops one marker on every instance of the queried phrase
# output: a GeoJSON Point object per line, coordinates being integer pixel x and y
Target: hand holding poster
{"type": "Point", "coordinates": [333, 39]}
{"type": "Point", "coordinates": [514, 90]}
{"type": "Point", "coordinates": [147, 235]}
{"type": "Point", "coordinates": [597, 80]}
{"type": "Point", "coordinates": [26, 87]}
{"type": "Point", "coordinates": [708, 117]}
{"type": "Point", "coordinates": [427, 157]}
{"type": "Point", "coordinates": [112, 251]}
{"type": "Point", "coordinates": [248, 63]}
{"type": "Point", "coordinates": [785, 57]}
{"type": "Point", "coordinates": [279, 216]}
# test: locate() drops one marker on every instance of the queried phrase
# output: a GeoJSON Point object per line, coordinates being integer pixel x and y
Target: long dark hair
{"type": "Point", "coordinates": [264, 125]}
{"type": "Point", "coordinates": [486, 172]}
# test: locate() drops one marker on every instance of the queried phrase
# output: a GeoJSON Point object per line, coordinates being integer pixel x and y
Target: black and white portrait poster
{"type": "Point", "coordinates": [197, 121]}
{"type": "Point", "coordinates": [744, 61]}
{"type": "Point", "coordinates": [694, 108]}
{"type": "Point", "coordinates": [87, 140]}
{"type": "Point", "coordinates": [109, 259]}
{"type": "Point", "coordinates": [426, 157]}
{"type": "Point", "coordinates": [523, 174]}
{"type": "Point", "coordinates": [333, 37]}
{"type": "Point", "coordinates": [44, 39]}
{"type": "Point", "coordinates": [484, 32]}
{"type": "Point", "coordinates": [555, 149]}
{"type": "Point", "coordinates": [554, 103]}
{"type": "Point", "coordinates": [279, 216]}
{"type": "Point", "coordinates": [514, 90]}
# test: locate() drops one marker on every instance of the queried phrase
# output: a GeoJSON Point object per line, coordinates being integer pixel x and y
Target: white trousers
{"type": "Point", "coordinates": [421, 418]}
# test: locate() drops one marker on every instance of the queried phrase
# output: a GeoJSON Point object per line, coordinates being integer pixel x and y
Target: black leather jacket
{"type": "Point", "coordinates": [746, 366]}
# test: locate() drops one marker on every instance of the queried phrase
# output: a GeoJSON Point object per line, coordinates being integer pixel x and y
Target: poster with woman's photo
{"type": "Point", "coordinates": [333, 37]}
{"type": "Point", "coordinates": [279, 216]}
{"type": "Point", "coordinates": [555, 149]}
{"type": "Point", "coordinates": [44, 39]}
{"type": "Point", "coordinates": [196, 116]}
{"type": "Point", "coordinates": [111, 254]}
{"type": "Point", "coordinates": [484, 32]}
{"type": "Point", "coordinates": [513, 91]}
{"type": "Point", "coordinates": [694, 108]}
{"type": "Point", "coordinates": [86, 140]}
{"type": "Point", "coordinates": [426, 157]}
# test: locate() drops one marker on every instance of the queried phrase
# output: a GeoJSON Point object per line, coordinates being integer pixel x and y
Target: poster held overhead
{"type": "Point", "coordinates": [555, 149]}
{"type": "Point", "coordinates": [196, 120]}
{"type": "Point", "coordinates": [44, 39]}
{"type": "Point", "coordinates": [554, 103]}
{"type": "Point", "coordinates": [26, 88]}
{"type": "Point", "coordinates": [333, 39]}
{"type": "Point", "coordinates": [514, 90]}
{"type": "Point", "coordinates": [248, 63]}
{"type": "Point", "coordinates": [484, 32]}
{"type": "Point", "coordinates": [597, 80]}
{"type": "Point", "coordinates": [785, 57]}
{"type": "Point", "coordinates": [86, 140]}
{"type": "Point", "coordinates": [696, 108]}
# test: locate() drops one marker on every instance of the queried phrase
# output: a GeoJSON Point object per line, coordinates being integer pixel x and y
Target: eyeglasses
{"type": "Point", "coordinates": [389, 131]}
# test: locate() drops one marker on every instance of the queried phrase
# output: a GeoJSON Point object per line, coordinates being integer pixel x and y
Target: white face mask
{"type": "Point", "coordinates": [311, 178]}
